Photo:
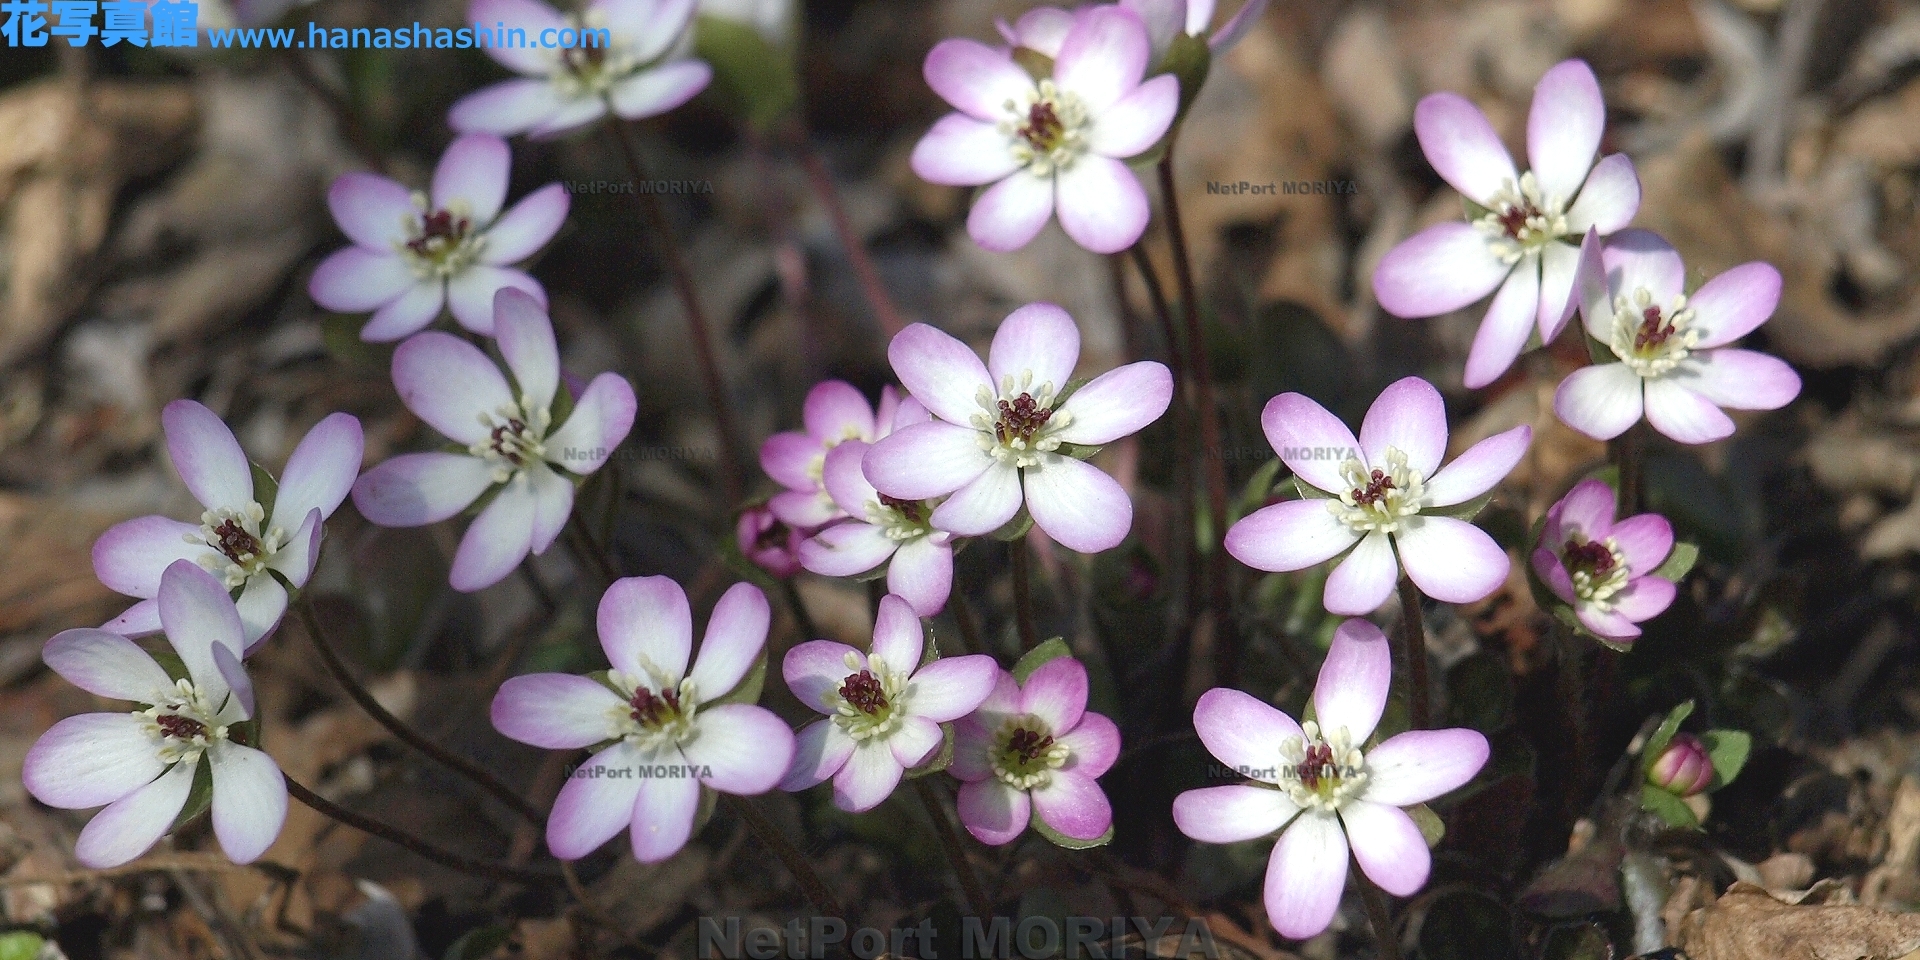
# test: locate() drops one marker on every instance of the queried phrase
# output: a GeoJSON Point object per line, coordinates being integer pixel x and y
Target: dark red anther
{"type": "Point", "coordinates": [1652, 332]}
{"type": "Point", "coordinates": [862, 691]}
{"type": "Point", "coordinates": [1020, 419]}
{"type": "Point", "coordinates": [1514, 219]}
{"type": "Point", "coordinates": [653, 709]}
{"type": "Point", "coordinates": [502, 435]}
{"type": "Point", "coordinates": [912, 510]}
{"type": "Point", "coordinates": [1591, 556]}
{"type": "Point", "coordinates": [1318, 765]}
{"type": "Point", "coordinates": [179, 727]}
{"type": "Point", "coordinates": [1043, 127]}
{"type": "Point", "coordinates": [1028, 745]}
{"type": "Point", "coordinates": [1377, 486]}
{"type": "Point", "coordinates": [438, 225]}
{"type": "Point", "coordinates": [239, 545]}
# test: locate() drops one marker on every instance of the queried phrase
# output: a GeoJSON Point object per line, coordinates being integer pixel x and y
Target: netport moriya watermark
{"type": "Point", "coordinates": [1030, 938]}
{"type": "Point", "coordinates": [1274, 188]}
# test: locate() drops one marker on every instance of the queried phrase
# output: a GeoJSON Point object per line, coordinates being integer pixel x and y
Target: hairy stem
{"type": "Point", "coordinates": [588, 551]}
{"type": "Point", "coordinates": [439, 855]}
{"type": "Point", "coordinates": [868, 276]}
{"type": "Point", "coordinates": [345, 119]}
{"type": "Point", "coordinates": [1413, 637]}
{"type": "Point", "coordinates": [1628, 452]}
{"type": "Point", "coordinates": [1022, 594]}
{"type": "Point", "coordinates": [969, 627]}
{"type": "Point", "coordinates": [770, 837]}
{"type": "Point", "coordinates": [1378, 914]}
{"type": "Point", "coordinates": [950, 840]}
{"type": "Point", "coordinates": [406, 734]}
{"type": "Point", "coordinates": [801, 617]}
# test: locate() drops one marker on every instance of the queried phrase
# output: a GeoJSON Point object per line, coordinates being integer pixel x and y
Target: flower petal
{"type": "Point", "coordinates": [961, 151]}
{"type": "Point", "coordinates": [645, 622]}
{"type": "Point", "coordinates": [592, 806]}
{"type": "Point", "coordinates": [207, 457]}
{"type": "Point", "coordinates": [1093, 745]}
{"type": "Point", "coordinates": [1136, 121]}
{"type": "Point", "coordinates": [1564, 127]}
{"type": "Point", "coordinates": [373, 211]}
{"type": "Point", "coordinates": [926, 460]}
{"type": "Point", "coordinates": [1419, 765]}
{"type": "Point", "coordinates": [1438, 270]}
{"type": "Point", "coordinates": [1637, 259]}
{"type": "Point", "coordinates": [532, 15]}
{"type": "Point", "coordinates": [821, 749]}
{"type": "Point", "coordinates": [653, 92]}
{"type": "Point", "coordinates": [1559, 265]}
{"type": "Point", "coordinates": [1233, 813]}
{"type": "Point", "coordinates": [868, 777]}
{"type": "Point", "coordinates": [473, 171]}
{"type": "Point", "coordinates": [525, 338]}
{"type": "Point", "coordinates": [1311, 442]}
{"type": "Point", "coordinates": [1118, 403]}
{"type": "Point", "coordinates": [497, 540]}
{"type": "Point", "coordinates": [198, 615]}
{"type": "Point", "coordinates": [1739, 379]}
{"type": "Point", "coordinates": [508, 108]}
{"type": "Point", "coordinates": [1040, 340]}
{"type": "Point", "coordinates": [1462, 146]}
{"type": "Point", "coordinates": [942, 373]}
{"type": "Point", "coordinates": [1452, 560]}
{"type": "Point", "coordinates": [1388, 846]}
{"type": "Point", "coordinates": [993, 812]}
{"type": "Point", "coordinates": [1103, 57]}
{"type": "Point", "coordinates": [1644, 598]}
{"type": "Point", "coordinates": [1503, 332]}
{"type": "Point", "coordinates": [1306, 875]}
{"type": "Point", "coordinates": [356, 279]}
{"type": "Point", "coordinates": [846, 550]}
{"type": "Point", "coordinates": [1077, 504]}
{"type": "Point", "coordinates": [952, 687]}
{"type": "Point", "coordinates": [415, 489]}
{"type": "Point", "coordinates": [1600, 401]}
{"type": "Point", "coordinates": [526, 226]}
{"type": "Point", "coordinates": [1610, 198]}
{"type": "Point", "coordinates": [1056, 694]}
{"type": "Point", "coordinates": [410, 313]}
{"type": "Point", "coordinates": [131, 555]}
{"type": "Point", "coordinates": [898, 637]}
{"type": "Point", "coordinates": [1364, 580]}
{"type": "Point", "coordinates": [601, 419]}
{"type": "Point", "coordinates": [1588, 510]}
{"type": "Point", "coordinates": [1072, 804]}
{"type": "Point", "coordinates": [470, 294]}
{"type": "Point", "coordinates": [922, 574]}
{"type": "Point", "coordinates": [449, 383]}
{"type": "Point", "coordinates": [1408, 415]}
{"type": "Point", "coordinates": [983, 505]}
{"type": "Point", "coordinates": [557, 711]}
{"type": "Point", "coordinates": [106, 664]}
{"type": "Point", "coordinates": [741, 749]}
{"type": "Point", "coordinates": [90, 760]}
{"type": "Point", "coordinates": [977, 79]}
{"type": "Point", "coordinates": [574, 113]}
{"type": "Point", "coordinates": [1009, 214]}
{"type": "Point", "coordinates": [320, 472]}
{"type": "Point", "coordinates": [1288, 536]}
{"type": "Point", "coordinates": [1352, 689]}
{"type": "Point", "coordinates": [1645, 540]}
{"type": "Point", "coordinates": [141, 619]}
{"type": "Point", "coordinates": [736, 633]}
{"type": "Point", "coordinates": [249, 801]}
{"type": "Point", "coordinates": [787, 457]}
{"type": "Point", "coordinates": [1101, 204]}
{"type": "Point", "coordinates": [1480, 468]}
{"type": "Point", "coordinates": [131, 825]}
{"type": "Point", "coordinates": [1231, 32]}
{"type": "Point", "coordinates": [261, 605]}
{"type": "Point", "coordinates": [1684, 415]}
{"type": "Point", "coordinates": [817, 667]}
{"type": "Point", "coordinates": [651, 26]}
{"type": "Point", "coordinates": [917, 739]}
{"type": "Point", "coordinates": [1243, 732]}
{"type": "Point", "coordinates": [1735, 303]}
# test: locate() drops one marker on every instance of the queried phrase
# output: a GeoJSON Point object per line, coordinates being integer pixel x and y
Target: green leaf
{"type": "Point", "coordinates": [1051, 649]}
{"type": "Point", "coordinates": [1079, 451]}
{"type": "Point", "coordinates": [1254, 495]}
{"type": "Point", "coordinates": [1728, 750]}
{"type": "Point", "coordinates": [941, 759]}
{"type": "Point", "coordinates": [1059, 839]}
{"type": "Point", "coordinates": [1461, 511]}
{"type": "Point", "coordinates": [20, 945]}
{"type": "Point", "coordinates": [1432, 828]}
{"type": "Point", "coordinates": [1667, 807]}
{"type": "Point", "coordinates": [478, 943]}
{"type": "Point", "coordinates": [749, 688]}
{"type": "Point", "coordinates": [199, 796]}
{"type": "Point", "coordinates": [265, 491]}
{"type": "Point", "coordinates": [757, 76]}
{"type": "Point", "coordinates": [1016, 528]}
{"type": "Point", "coordinates": [1662, 736]}
{"type": "Point", "coordinates": [1678, 562]}
{"type": "Point", "coordinates": [1308, 491]}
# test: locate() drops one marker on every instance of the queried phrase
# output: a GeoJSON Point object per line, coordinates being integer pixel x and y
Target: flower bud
{"type": "Point", "coordinates": [767, 543]}
{"type": "Point", "coordinates": [1683, 768]}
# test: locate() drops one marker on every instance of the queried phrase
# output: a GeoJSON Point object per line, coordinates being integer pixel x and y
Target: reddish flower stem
{"type": "Point", "coordinates": [1413, 639]}
{"type": "Point", "coordinates": [1022, 593]}
{"type": "Point", "coordinates": [868, 276]}
{"type": "Point", "coordinates": [439, 855]}
{"type": "Point", "coordinates": [957, 854]}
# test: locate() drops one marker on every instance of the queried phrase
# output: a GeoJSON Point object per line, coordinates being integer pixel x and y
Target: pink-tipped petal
{"type": "Point", "coordinates": [131, 555]}
{"type": "Point", "coordinates": [1313, 443]}
{"type": "Point", "coordinates": [1587, 510]}
{"type": "Point", "coordinates": [1074, 805]}
{"type": "Point", "coordinates": [599, 423]}
{"type": "Point", "coordinates": [993, 812]}
{"type": "Point", "coordinates": [898, 637]}
{"type": "Point", "coordinates": [596, 803]}
{"type": "Point", "coordinates": [1077, 504]}
{"type": "Point", "coordinates": [471, 293]}
{"type": "Point", "coordinates": [1103, 57]}
{"type": "Point", "coordinates": [371, 210]}
{"type": "Point", "coordinates": [836, 411]}
{"type": "Point", "coordinates": [1438, 270]}
{"type": "Point", "coordinates": [1610, 198]}
{"type": "Point", "coordinates": [1306, 875]}
{"type": "Point", "coordinates": [1735, 303]}
{"type": "Point", "coordinates": [1590, 288]}
{"type": "Point", "coordinates": [106, 664]}
{"type": "Point", "coordinates": [741, 749]}
{"type": "Point", "coordinates": [1243, 731]}
{"type": "Point", "coordinates": [1101, 204]}
{"type": "Point", "coordinates": [1233, 813]}
{"type": "Point", "coordinates": [1352, 689]}
{"type": "Point", "coordinates": [249, 801]}
{"type": "Point", "coordinates": [736, 633]}
{"type": "Point", "coordinates": [922, 574]}
{"type": "Point", "coordinates": [1642, 259]}
{"type": "Point", "coordinates": [1388, 846]}
{"type": "Point", "coordinates": [207, 456]}
{"type": "Point", "coordinates": [199, 615]}
{"type": "Point", "coordinates": [131, 825]}
{"type": "Point", "coordinates": [788, 458]}
{"type": "Point", "coordinates": [1546, 563]}
{"type": "Point", "coordinates": [1137, 121]}
{"type": "Point", "coordinates": [1564, 127]}
{"type": "Point", "coordinates": [1559, 265]}
{"type": "Point", "coordinates": [1040, 340]}
{"type": "Point", "coordinates": [415, 489]}
{"type": "Point", "coordinates": [1364, 580]}
{"type": "Point", "coordinates": [261, 605]}
{"type": "Point", "coordinates": [1231, 32]}
{"type": "Point", "coordinates": [846, 550]}
{"type": "Point", "coordinates": [356, 279]}
{"type": "Point", "coordinates": [1009, 214]}
{"type": "Point", "coordinates": [1645, 540]}
{"type": "Point", "coordinates": [1503, 332]}
{"type": "Point", "coordinates": [573, 114]}
{"type": "Point", "coordinates": [961, 151]}
{"type": "Point", "coordinates": [1419, 765]}
{"type": "Point", "coordinates": [1452, 560]}
{"type": "Point", "coordinates": [1462, 146]}
{"type": "Point", "coordinates": [526, 226]}
{"type": "Point", "coordinates": [1601, 401]}
{"type": "Point", "coordinates": [983, 505]}
{"type": "Point", "coordinates": [532, 15]}
{"type": "Point", "coordinates": [977, 79]}
{"type": "Point", "coordinates": [817, 668]}
{"type": "Point", "coordinates": [556, 711]}
{"type": "Point", "coordinates": [321, 470]}
{"type": "Point", "coordinates": [473, 171]}
{"type": "Point", "coordinates": [844, 476]}
{"type": "Point", "coordinates": [1121, 402]}
{"type": "Point", "coordinates": [1288, 536]}
{"type": "Point", "coordinates": [1610, 624]}
{"type": "Point", "coordinates": [651, 26]}
{"type": "Point", "coordinates": [1409, 416]}
{"type": "Point", "coordinates": [90, 760]}
{"type": "Point", "coordinates": [1056, 693]}
{"type": "Point", "coordinates": [525, 338]}
{"type": "Point", "coordinates": [508, 108]}
{"type": "Point", "coordinates": [653, 92]}
{"type": "Point", "coordinates": [1043, 29]}
{"type": "Point", "coordinates": [449, 383]}
{"type": "Point", "coordinates": [1480, 468]}
{"type": "Point", "coordinates": [952, 687]}
{"type": "Point", "coordinates": [1093, 745]}
{"type": "Point", "coordinates": [1740, 379]}
{"type": "Point", "coordinates": [1164, 20]}
{"type": "Point", "coordinates": [917, 740]}
{"type": "Point", "coordinates": [868, 777]}
{"type": "Point", "coordinates": [821, 749]}
{"type": "Point", "coordinates": [408, 314]}
{"type": "Point", "coordinates": [1644, 598]}
{"type": "Point", "coordinates": [645, 622]}
{"type": "Point", "coordinates": [942, 373]}
{"type": "Point", "coordinates": [497, 540]}
{"type": "Point", "coordinates": [1684, 415]}
{"type": "Point", "coordinates": [140, 620]}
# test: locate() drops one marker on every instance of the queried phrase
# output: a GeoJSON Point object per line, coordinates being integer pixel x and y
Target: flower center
{"type": "Point", "coordinates": [1379, 498]}
{"type": "Point", "coordinates": [516, 435]}
{"type": "Point", "coordinates": [1048, 131]}
{"type": "Point", "coordinates": [1017, 423]}
{"type": "Point", "coordinates": [1520, 219]}
{"type": "Point", "coordinates": [1598, 569]}
{"type": "Point", "coordinates": [1322, 771]}
{"type": "Point", "coordinates": [1649, 340]}
{"type": "Point", "coordinates": [589, 70]}
{"type": "Point", "coordinates": [899, 519]}
{"type": "Point", "coordinates": [183, 725]}
{"type": "Point", "coordinates": [868, 702]}
{"type": "Point", "coordinates": [1024, 754]}
{"type": "Point", "coordinates": [240, 548]}
{"type": "Point", "coordinates": [657, 710]}
{"type": "Point", "coordinates": [440, 242]}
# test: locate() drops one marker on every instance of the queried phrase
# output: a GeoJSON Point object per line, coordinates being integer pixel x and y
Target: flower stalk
{"type": "Point", "coordinates": [1413, 639]}
{"type": "Point", "coordinates": [446, 858]}
{"type": "Point", "coordinates": [956, 854]}
{"type": "Point", "coordinates": [763, 830]}
{"type": "Point", "coordinates": [1379, 915]}
{"type": "Point", "coordinates": [1022, 593]}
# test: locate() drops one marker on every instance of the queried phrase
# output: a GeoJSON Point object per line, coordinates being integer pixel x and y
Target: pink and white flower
{"type": "Point", "coordinates": [881, 530]}
{"type": "Point", "coordinates": [768, 543]}
{"type": "Point", "coordinates": [645, 70]}
{"type": "Point", "coordinates": [1684, 768]}
{"type": "Point", "coordinates": [884, 709]}
{"type": "Point", "coordinates": [1524, 241]}
{"type": "Point", "coordinates": [141, 764]}
{"type": "Point", "coordinates": [1382, 494]}
{"type": "Point", "coordinates": [513, 448]}
{"type": "Point", "coordinates": [249, 544]}
{"type": "Point", "coordinates": [1034, 748]}
{"type": "Point", "coordinates": [1674, 362]}
{"type": "Point", "coordinates": [1601, 568]}
{"type": "Point", "coordinates": [662, 731]}
{"type": "Point", "coordinates": [415, 252]}
{"type": "Point", "coordinates": [1320, 787]}
{"type": "Point", "coordinates": [1167, 19]}
{"type": "Point", "coordinates": [1000, 428]}
{"type": "Point", "coordinates": [1054, 143]}
{"type": "Point", "coordinates": [834, 413]}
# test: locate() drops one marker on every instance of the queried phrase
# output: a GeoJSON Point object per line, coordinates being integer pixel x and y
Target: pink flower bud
{"type": "Point", "coordinates": [769, 544]}
{"type": "Point", "coordinates": [1684, 768]}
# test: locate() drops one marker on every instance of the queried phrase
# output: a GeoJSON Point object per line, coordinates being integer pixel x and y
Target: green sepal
{"type": "Point", "coordinates": [1474, 210]}
{"type": "Point", "coordinates": [1038, 65]}
{"type": "Point", "coordinates": [757, 76]}
{"type": "Point", "coordinates": [709, 800]}
{"type": "Point", "coordinates": [1728, 749]}
{"type": "Point", "coordinates": [929, 645]}
{"type": "Point", "coordinates": [1667, 807]}
{"type": "Point", "coordinates": [1079, 451]}
{"type": "Point", "coordinates": [1072, 387]}
{"type": "Point", "coordinates": [559, 410]}
{"type": "Point", "coordinates": [1599, 354]}
{"type": "Point", "coordinates": [1678, 563]}
{"type": "Point", "coordinates": [1432, 828]}
{"type": "Point", "coordinates": [21, 945]}
{"type": "Point", "coordinates": [340, 335]}
{"type": "Point", "coordinates": [1051, 649]}
{"type": "Point", "coordinates": [1308, 491]}
{"type": "Point", "coordinates": [199, 796]}
{"type": "Point", "coordinates": [266, 490]}
{"type": "Point", "coordinates": [1189, 59]}
{"type": "Point", "coordinates": [1260, 486]}
{"type": "Point", "coordinates": [1061, 840]}
{"type": "Point", "coordinates": [749, 688]}
{"type": "Point", "coordinates": [1657, 744]}
{"type": "Point", "coordinates": [1461, 511]}
{"type": "Point", "coordinates": [1016, 528]}
{"type": "Point", "coordinates": [941, 759]}
{"type": "Point", "coordinates": [170, 661]}
{"type": "Point", "coordinates": [478, 943]}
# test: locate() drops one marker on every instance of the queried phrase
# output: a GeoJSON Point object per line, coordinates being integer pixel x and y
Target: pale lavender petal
{"type": "Point", "coordinates": [1564, 127]}
{"type": "Point", "coordinates": [470, 294]}
{"type": "Point", "coordinates": [1009, 214]}
{"type": "Point", "coordinates": [131, 825]}
{"type": "Point", "coordinates": [1735, 303]}
{"type": "Point", "coordinates": [821, 749]}
{"type": "Point", "coordinates": [474, 169]}
{"type": "Point", "coordinates": [1288, 536]}
{"type": "Point", "coordinates": [1419, 765]}
{"type": "Point", "coordinates": [1638, 259]}
{"type": "Point", "coordinates": [1101, 203]}
{"type": "Point", "coordinates": [835, 411]}
{"type": "Point", "coordinates": [1601, 402]}
{"type": "Point", "coordinates": [653, 92]}
{"type": "Point", "coordinates": [1233, 813]}
{"type": "Point", "coordinates": [1043, 29]}
{"type": "Point", "coordinates": [139, 620]}
{"type": "Point", "coordinates": [1199, 15]}
{"type": "Point", "coordinates": [408, 314]}
{"type": "Point", "coordinates": [507, 108]}
{"type": "Point", "coordinates": [552, 505]}
{"type": "Point", "coordinates": [89, 760]}
{"type": "Point", "coordinates": [592, 808]}
{"type": "Point", "coordinates": [1306, 875]}
{"type": "Point", "coordinates": [497, 540]}
{"type": "Point", "coordinates": [971, 741]}
{"type": "Point", "coordinates": [1137, 121]}
{"type": "Point", "coordinates": [952, 687]}
{"type": "Point", "coordinates": [917, 739]}
{"type": "Point", "coordinates": [557, 711]}
{"type": "Point", "coordinates": [942, 373]}
{"type": "Point", "coordinates": [868, 777]}
{"type": "Point", "coordinates": [736, 633]}
{"type": "Point", "coordinates": [1410, 416]}
{"type": "Point", "coordinates": [1644, 540]}
{"type": "Point", "coordinates": [846, 550]}
{"type": "Point", "coordinates": [1510, 318]}
{"type": "Point", "coordinates": [261, 605]}
{"type": "Point", "coordinates": [198, 614]}
{"type": "Point", "coordinates": [207, 456]}
{"type": "Point", "coordinates": [1451, 560]}
{"type": "Point", "coordinates": [321, 470]}
{"type": "Point", "coordinates": [1611, 625]}
{"type": "Point", "coordinates": [1546, 563]}
{"type": "Point", "coordinates": [1684, 415]}
{"type": "Point", "coordinates": [1587, 509]}
{"type": "Point", "coordinates": [1164, 20]}
{"type": "Point", "coordinates": [960, 151]}
{"type": "Point", "coordinates": [449, 383]}
{"type": "Point", "coordinates": [983, 505]}
{"type": "Point", "coordinates": [1462, 146]}
{"type": "Point", "coordinates": [898, 637]}
{"type": "Point", "coordinates": [645, 621]}
{"type": "Point", "coordinates": [1077, 504]}
{"type": "Point", "coordinates": [1440, 269]}
{"type": "Point", "coordinates": [1388, 846]}
{"type": "Point", "coordinates": [572, 115]}
{"type": "Point", "coordinates": [741, 749]}
{"type": "Point", "coordinates": [1038, 339]}
{"type": "Point", "coordinates": [1739, 379]}
{"type": "Point", "coordinates": [1294, 424]}
{"type": "Point", "coordinates": [1118, 403]}
{"type": "Point", "coordinates": [131, 555]}
{"type": "Point", "coordinates": [1559, 265]}
{"type": "Point", "coordinates": [845, 478]}
{"type": "Point", "coordinates": [526, 226]}
{"type": "Point", "coordinates": [525, 338]}
{"type": "Point", "coordinates": [1480, 468]}
{"type": "Point", "coordinates": [1365, 579]}
{"type": "Point", "coordinates": [106, 664]}
{"type": "Point", "coordinates": [1072, 804]}
{"type": "Point", "coordinates": [1610, 198]}
{"type": "Point", "coordinates": [1243, 731]}
{"type": "Point", "coordinates": [415, 489]}
{"type": "Point", "coordinates": [993, 812]}
{"type": "Point", "coordinates": [530, 14]}
{"type": "Point", "coordinates": [1352, 689]}
{"type": "Point", "coordinates": [1056, 694]}
{"type": "Point", "coordinates": [816, 668]}
{"type": "Point", "coordinates": [356, 279]}
{"type": "Point", "coordinates": [652, 25]}
{"type": "Point", "coordinates": [922, 574]}
{"type": "Point", "coordinates": [787, 457]}
{"type": "Point", "coordinates": [599, 423]}
{"type": "Point", "coordinates": [1592, 288]}
{"type": "Point", "coordinates": [1093, 745]}
{"type": "Point", "coordinates": [1002, 703]}
{"type": "Point", "coordinates": [373, 211]}
{"type": "Point", "coordinates": [1231, 32]}
{"type": "Point", "coordinates": [977, 79]}
{"type": "Point", "coordinates": [249, 800]}
{"type": "Point", "coordinates": [1645, 598]}
{"type": "Point", "coordinates": [1103, 57]}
